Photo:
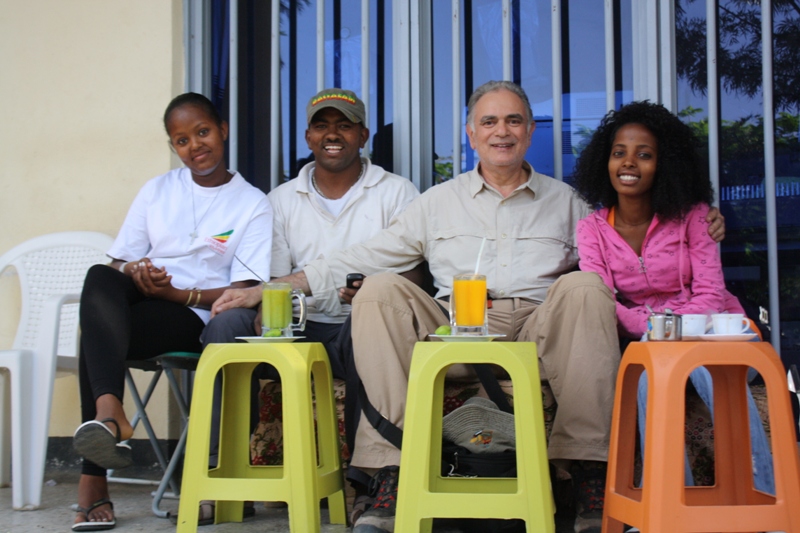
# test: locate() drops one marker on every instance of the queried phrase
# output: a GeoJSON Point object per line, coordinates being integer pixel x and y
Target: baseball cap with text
{"type": "Point", "coordinates": [341, 99]}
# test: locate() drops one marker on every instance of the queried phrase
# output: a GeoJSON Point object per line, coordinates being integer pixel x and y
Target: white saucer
{"type": "Point", "coordinates": [728, 338]}
{"type": "Point", "coordinates": [465, 338]}
{"type": "Point", "coordinates": [258, 340]}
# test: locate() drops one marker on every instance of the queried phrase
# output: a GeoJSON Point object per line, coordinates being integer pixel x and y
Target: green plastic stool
{"type": "Point", "coordinates": [309, 473]}
{"type": "Point", "coordinates": [423, 494]}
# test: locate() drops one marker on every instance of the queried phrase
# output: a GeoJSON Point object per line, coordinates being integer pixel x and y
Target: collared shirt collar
{"type": "Point", "coordinates": [477, 182]}
{"type": "Point", "coordinates": [370, 178]}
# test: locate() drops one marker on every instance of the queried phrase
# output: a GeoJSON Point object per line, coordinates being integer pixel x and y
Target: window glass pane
{"type": "Point", "coordinates": [342, 68]}
{"type": "Point", "coordinates": [298, 81]}
{"type": "Point", "coordinates": [443, 92]}
{"type": "Point", "coordinates": [584, 99]}
{"type": "Point", "coordinates": [741, 180]}
{"type": "Point", "coordinates": [537, 80]}
{"type": "Point", "coordinates": [585, 85]}
{"type": "Point", "coordinates": [381, 84]}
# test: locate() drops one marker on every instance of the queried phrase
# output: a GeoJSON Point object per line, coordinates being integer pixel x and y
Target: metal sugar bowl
{"type": "Point", "coordinates": [664, 326]}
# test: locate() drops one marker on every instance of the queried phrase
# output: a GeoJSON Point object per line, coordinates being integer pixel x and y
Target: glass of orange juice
{"type": "Point", "coordinates": [468, 305]}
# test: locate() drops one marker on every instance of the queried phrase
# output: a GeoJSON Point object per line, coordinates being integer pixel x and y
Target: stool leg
{"type": "Point", "coordinates": [300, 459]}
{"type": "Point", "coordinates": [422, 442]}
{"type": "Point", "coordinates": [234, 451]}
{"type": "Point", "coordinates": [328, 442]}
{"type": "Point", "coordinates": [195, 468]}
{"type": "Point", "coordinates": [622, 448]}
{"type": "Point", "coordinates": [435, 439]}
{"type": "Point", "coordinates": [663, 474]}
{"type": "Point", "coordinates": [5, 428]}
{"type": "Point", "coordinates": [731, 425]}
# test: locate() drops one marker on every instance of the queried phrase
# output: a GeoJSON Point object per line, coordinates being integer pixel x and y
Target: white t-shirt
{"type": "Point", "coordinates": [305, 230]}
{"type": "Point", "coordinates": [336, 206]}
{"type": "Point", "coordinates": [232, 218]}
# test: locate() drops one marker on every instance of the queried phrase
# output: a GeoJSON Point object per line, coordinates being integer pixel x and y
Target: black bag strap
{"type": "Point", "coordinates": [386, 429]}
{"type": "Point", "coordinates": [492, 386]}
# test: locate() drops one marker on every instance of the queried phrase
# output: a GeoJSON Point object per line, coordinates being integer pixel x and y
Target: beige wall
{"type": "Point", "coordinates": [83, 86]}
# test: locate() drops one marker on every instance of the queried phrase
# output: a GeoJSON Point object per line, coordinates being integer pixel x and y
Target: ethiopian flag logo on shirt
{"type": "Point", "coordinates": [219, 242]}
{"type": "Point", "coordinates": [223, 237]}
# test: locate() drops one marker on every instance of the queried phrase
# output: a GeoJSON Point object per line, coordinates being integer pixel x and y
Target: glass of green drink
{"type": "Point", "coordinates": [276, 310]}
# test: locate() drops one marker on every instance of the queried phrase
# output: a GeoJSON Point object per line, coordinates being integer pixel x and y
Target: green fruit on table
{"type": "Point", "coordinates": [273, 333]}
{"type": "Point", "coordinates": [442, 330]}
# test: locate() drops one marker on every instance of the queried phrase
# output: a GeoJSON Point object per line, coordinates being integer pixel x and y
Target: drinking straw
{"type": "Point", "coordinates": [480, 253]}
{"type": "Point", "coordinates": [248, 268]}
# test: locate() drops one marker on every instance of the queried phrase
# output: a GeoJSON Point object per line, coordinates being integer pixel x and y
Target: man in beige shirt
{"type": "Point", "coordinates": [528, 221]}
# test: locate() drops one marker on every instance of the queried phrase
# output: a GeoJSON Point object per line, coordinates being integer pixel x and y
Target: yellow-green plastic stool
{"type": "Point", "coordinates": [423, 494]}
{"type": "Point", "coordinates": [309, 472]}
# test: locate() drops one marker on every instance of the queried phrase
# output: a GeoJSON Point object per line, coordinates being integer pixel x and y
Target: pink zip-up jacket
{"type": "Point", "coordinates": [679, 268]}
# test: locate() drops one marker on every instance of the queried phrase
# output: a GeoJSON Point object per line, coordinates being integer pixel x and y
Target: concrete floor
{"type": "Point", "coordinates": [132, 504]}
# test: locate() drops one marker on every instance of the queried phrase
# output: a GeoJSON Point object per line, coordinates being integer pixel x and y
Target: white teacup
{"type": "Point", "coordinates": [729, 323]}
{"type": "Point", "coordinates": [693, 325]}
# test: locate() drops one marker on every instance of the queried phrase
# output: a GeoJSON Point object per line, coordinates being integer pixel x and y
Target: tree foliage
{"type": "Point", "coordinates": [739, 58]}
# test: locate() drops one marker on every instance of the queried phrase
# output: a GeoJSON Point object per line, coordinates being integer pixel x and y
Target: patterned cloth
{"type": "Point", "coordinates": [266, 445]}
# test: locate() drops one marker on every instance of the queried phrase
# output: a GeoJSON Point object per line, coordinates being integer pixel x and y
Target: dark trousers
{"type": "Point", "coordinates": [119, 324]}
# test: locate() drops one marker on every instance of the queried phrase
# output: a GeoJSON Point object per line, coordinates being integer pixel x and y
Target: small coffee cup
{"type": "Point", "coordinates": [693, 325]}
{"type": "Point", "coordinates": [729, 323]}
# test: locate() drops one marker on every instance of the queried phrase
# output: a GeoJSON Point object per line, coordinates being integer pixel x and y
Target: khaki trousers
{"type": "Point", "coordinates": [575, 330]}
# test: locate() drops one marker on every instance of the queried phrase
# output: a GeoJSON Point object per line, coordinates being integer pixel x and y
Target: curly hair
{"type": "Point", "coordinates": [681, 180]}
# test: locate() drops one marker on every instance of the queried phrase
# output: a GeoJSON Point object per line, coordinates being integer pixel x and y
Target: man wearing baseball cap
{"type": "Point", "coordinates": [337, 200]}
{"type": "Point", "coordinates": [345, 101]}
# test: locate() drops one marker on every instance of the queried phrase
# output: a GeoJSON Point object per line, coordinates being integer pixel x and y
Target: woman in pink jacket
{"type": "Point", "coordinates": [649, 239]}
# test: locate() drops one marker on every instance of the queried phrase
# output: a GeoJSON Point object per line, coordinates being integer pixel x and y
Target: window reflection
{"type": "Point", "coordinates": [744, 251]}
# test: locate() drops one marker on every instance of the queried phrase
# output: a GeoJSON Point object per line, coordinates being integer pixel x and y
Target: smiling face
{"type": "Point", "coordinates": [200, 143]}
{"type": "Point", "coordinates": [501, 130]}
{"type": "Point", "coordinates": [335, 140]}
{"type": "Point", "coordinates": [633, 160]}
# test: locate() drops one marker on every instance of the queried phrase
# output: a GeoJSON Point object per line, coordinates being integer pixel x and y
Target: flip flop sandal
{"type": "Point", "coordinates": [94, 526]}
{"type": "Point", "coordinates": [96, 442]}
{"type": "Point", "coordinates": [207, 513]}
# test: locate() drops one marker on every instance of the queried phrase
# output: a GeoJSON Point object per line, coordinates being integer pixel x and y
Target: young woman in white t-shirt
{"type": "Point", "coordinates": [173, 257]}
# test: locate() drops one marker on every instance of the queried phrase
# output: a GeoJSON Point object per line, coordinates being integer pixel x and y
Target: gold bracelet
{"type": "Point", "coordinates": [189, 299]}
{"type": "Point", "coordinates": [199, 294]}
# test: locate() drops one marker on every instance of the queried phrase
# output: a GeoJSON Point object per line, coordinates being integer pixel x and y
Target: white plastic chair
{"type": "Point", "coordinates": [51, 270]}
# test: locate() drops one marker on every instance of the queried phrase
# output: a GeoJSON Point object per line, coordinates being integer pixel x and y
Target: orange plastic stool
{"type": "Point", "coordinates": [664, 503]}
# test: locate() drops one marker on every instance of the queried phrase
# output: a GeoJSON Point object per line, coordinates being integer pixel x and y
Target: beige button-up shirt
{"type": "Point", "coordinates": [530, 239]}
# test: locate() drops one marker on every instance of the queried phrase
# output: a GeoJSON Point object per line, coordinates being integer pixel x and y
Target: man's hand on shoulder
{"type": "Point", "coordinates": [716, 227]}
{"type": "Point", "coordinates": [249, 297]}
